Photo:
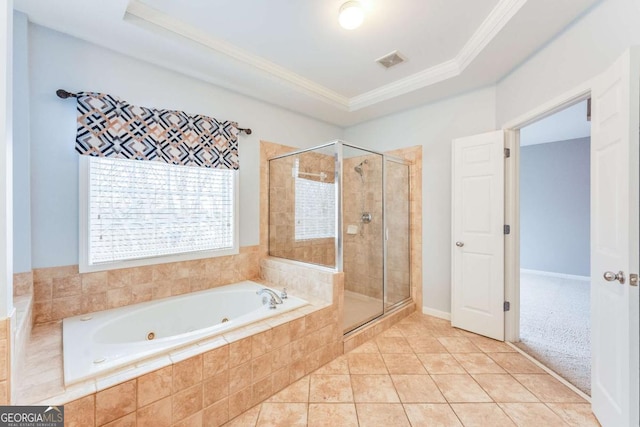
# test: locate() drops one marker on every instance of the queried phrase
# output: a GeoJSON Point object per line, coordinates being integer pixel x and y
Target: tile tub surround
{"type": "Point", "coordinates": [296, 342]}
{"type": "Point", "coordinates": [61, 292]}
{"type": "Point", "coordinates": [5, 360]}
{"type": "Point", "coordinates": [23, 284]}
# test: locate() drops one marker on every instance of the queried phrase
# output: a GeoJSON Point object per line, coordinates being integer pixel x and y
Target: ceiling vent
{"type": "Point", "coordinates": [394, 58]}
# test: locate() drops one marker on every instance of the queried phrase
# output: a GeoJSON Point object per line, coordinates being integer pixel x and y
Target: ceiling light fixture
{"type": "Point", "coordinates": [351, 15]}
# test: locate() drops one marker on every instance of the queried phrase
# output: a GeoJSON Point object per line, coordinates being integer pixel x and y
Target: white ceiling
{"type": "Point", "coordinates": [293, 53]}
{"type": "Point", "coordinates": [570, 123]}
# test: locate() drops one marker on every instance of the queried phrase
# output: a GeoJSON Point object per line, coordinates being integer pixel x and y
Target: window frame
{"type": "Point", "coordinates": [85, 223]}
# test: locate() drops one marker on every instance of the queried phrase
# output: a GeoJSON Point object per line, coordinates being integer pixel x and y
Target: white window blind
{"type": "Point", "coordinates": [315, 213]}
{"type": "Point", "coordinates": [142, 209]}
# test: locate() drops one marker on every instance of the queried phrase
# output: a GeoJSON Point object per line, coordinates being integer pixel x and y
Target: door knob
{"type": "Point", "coordinates": [459, 244]}
{"type": "Point", "coordinates": [610, 276]}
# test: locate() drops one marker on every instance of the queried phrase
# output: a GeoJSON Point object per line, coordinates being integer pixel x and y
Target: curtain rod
{"type": "Point", "coordinates": [63, 94]}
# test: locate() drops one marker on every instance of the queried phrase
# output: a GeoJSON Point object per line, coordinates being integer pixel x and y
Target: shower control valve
{"type": "Point", "coordinates": [366, 217]}
{"type": "Point", "coordinates": [283, 294]}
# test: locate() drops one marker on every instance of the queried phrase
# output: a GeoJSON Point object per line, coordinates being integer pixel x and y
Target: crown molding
{"type": "Point", "coordinates": [428, 77]}
{"type": "Point", "coordinates": [139, 13]}
{"type": "Point", "coordinates": [500, 15]}
{"type": "Point", "coordinates": [490, 27]}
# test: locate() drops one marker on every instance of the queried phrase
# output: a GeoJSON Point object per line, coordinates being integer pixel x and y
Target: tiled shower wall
{"type": "Point", "coordinates": [282, 242]}
{"type": "Point", "coordinates": [352, 191]}
{"type": "Point", "coordinates": [61, 292]}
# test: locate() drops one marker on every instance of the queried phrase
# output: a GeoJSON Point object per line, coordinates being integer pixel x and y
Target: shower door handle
{"type": "Point", "coordinates": [459, 244]}
{"type": "Point", "coordinates": [386, 233]}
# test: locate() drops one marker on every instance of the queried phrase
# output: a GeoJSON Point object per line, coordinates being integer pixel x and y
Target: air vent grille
{"type": "Point", "coordinates": [392, 59]}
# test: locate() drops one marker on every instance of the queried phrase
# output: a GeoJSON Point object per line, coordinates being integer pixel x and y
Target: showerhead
{"type": "Point", "coordinates": [358, 168]}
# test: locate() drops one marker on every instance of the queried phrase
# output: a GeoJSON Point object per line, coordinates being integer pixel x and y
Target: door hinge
{"type": "Point", "coordinates": [506, 306]}
{"type": "Point", "coordinates": [507, 229]}
{"type": "Point", "coordinates": [507, 152]}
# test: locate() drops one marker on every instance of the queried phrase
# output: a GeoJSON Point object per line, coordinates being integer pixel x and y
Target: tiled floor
{"type": "Point", "coordinates": [422, 372]}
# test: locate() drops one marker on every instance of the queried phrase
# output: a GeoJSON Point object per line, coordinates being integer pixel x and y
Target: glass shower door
{"type": "Point", "coordinates": [362, 223]}
{"type": "Point", "coordinates": [397, 235]}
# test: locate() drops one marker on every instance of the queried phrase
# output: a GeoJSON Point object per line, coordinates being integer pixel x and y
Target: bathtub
{"type": "Point", "coordinates": [98, 343]}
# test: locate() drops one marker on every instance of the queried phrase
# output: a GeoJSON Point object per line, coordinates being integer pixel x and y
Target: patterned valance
{"type": "Point", "coordinates": [110, 127]}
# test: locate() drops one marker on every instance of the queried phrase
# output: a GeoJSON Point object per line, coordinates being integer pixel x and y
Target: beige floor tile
{"type": "Point", "coordinates": [366, 363]}
{"type": "Point", "coordinates": [417, 389]}
{"type": "Point", "coordinates": [373, 388]}
{"type": "Point", "coordinates": [489, 345]}
{"type": "Point", "coordinates": [330, 388]}
{"type": "Point", "coordinates": [392, 332]}
{"type": "Point", "coordinates": [531, 414]}
{"type": "Point", "coordinates": [441, 364]}
{"type": "Point", "coordinates": [429, 414]}
{"type": "Point", "coordinates": [332, 415]}
{"type": "Point", "coordinates": [481, 415]}
{"type": "Point", "coordinates": [504, 388]}
{"type": "Point", "coordinates": [458, 345]}
{"type": "Point", "coordinates": [339, 366]}
{"type": "Point", "coordinates": [515, 363]}
{"type": "Point", "coordinates": [296, 392]}
{"type": "Point", "coordinates": [403, 364]}
{"type": "Point", "coordinates": [393, 345]}
{"type": "Point", "coordinates": [381, 414]}
{"type": "Point", "coordinates": [575, 414]}
{"type": "Point", "coordinates": [368, 347]}
{"type": "Point", "coordinates": [410, 330]}
{"type": "Point", "coordinates": [460, 389]}
{"type": "Point", "coordinates": [548, 389]}
{"type": "Point", "coordinates": [478, 363]}
{"type": "Point", "coordinates": [246, 419]}
{"type": "Point", "coordinates": [426, 345]}
{"type": "Point", "coordinates": [282, 414]}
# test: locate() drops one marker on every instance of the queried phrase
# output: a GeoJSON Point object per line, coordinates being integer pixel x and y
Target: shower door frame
{"type": "Point", "coordinates": [339, 247]}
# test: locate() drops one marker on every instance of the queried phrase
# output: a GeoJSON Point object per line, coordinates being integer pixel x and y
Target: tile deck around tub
{"type": "Point", "coordinates": [41, 381]}
{"type": "Point", "coordinates": [424, 372]}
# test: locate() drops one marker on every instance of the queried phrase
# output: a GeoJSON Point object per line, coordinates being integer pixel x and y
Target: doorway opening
{"type": "Point", "coordinates": [554, 309]}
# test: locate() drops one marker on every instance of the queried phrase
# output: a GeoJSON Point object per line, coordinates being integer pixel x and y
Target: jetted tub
{"type": "Point", "coordinates": [96, 343]}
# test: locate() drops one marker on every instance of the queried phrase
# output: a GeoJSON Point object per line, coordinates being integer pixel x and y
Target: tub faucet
{"type": "Point", "coordinates": [274, 297]}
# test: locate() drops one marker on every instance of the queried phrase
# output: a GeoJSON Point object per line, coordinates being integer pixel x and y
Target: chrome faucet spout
{"type": "Point", "coordinates": [272, 294]}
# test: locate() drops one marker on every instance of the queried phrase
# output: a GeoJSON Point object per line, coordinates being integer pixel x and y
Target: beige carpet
{"type": "Point", "coordinates": [555, 326]}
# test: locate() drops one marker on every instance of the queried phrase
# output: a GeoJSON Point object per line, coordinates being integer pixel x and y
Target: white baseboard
{"type": "Point", "coordinates": [557, 275]}
{"type": "Point", "coordinates": [436, 313]}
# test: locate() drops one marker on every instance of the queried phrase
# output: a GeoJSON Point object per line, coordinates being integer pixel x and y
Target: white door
{"type": "Point", "coordinates": [477, 259]}
{"type": "Point", "coordinates": [614, 242]}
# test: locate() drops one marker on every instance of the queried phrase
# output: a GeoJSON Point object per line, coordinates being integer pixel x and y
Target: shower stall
{"type": "Point", "coordinates": [345, 207]}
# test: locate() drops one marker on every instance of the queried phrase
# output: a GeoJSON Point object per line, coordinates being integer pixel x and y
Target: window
{"type": "Point", "coordinates": [315, 212]}
{"type": "Point", "coordinates": [144, 212]}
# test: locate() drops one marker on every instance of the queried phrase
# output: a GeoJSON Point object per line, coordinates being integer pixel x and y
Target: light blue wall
{"type": "Point", "coordinates": [59, 61]}
{"type": "Point", "coordinates": [21, 159]}
{"type": "Point", "coordinates": [554, 207]}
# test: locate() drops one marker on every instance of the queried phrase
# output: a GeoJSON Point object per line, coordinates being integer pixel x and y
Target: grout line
{"type": "Point", "coordinates": [552, 373]}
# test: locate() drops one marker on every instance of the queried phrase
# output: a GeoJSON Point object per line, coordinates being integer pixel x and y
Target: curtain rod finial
{"type": "Point", "coordinates": [64, 94]}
